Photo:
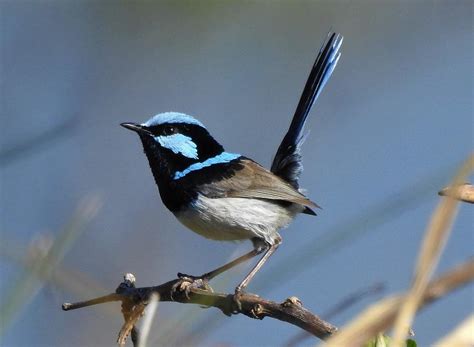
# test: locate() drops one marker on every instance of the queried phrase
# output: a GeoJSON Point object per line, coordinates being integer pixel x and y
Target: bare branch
{"type": "Point", "coordinates": [134, 301]}
{"type": "Point", "coordinates": [291, 310]}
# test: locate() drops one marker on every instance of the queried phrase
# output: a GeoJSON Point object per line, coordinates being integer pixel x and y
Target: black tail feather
{"type": "Point", "coordinates": [287, 162]}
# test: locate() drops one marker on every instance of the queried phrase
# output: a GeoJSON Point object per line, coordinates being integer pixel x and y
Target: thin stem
{"type": "Point", "coordinates": [101, 300]}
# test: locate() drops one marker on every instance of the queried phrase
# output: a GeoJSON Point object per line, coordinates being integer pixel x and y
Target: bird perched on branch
{"type": "Point", "coordinates": [226, 196]}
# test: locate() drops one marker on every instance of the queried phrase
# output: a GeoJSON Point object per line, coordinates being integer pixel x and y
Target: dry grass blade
{"type": "Point", "coordinates": [435, 238]}
{"type": "Point", "coordinates": [148, 320]}
{"type": "Point", "coordinates": [463, 192]}
{"type": "Point", "coordinates": [380, 316]}
{"type": "Point", "coordinates": [28, 284]}
{"type": "Point", "coordinates": [130, 322]}
{"type": "Point", "coordinates": [461, 336]}
{"type": "Point", "coordinates": [367, 324]}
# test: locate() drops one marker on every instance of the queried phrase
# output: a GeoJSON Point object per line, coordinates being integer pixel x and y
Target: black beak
{"type": "Point", "coordinates": [134, 127]}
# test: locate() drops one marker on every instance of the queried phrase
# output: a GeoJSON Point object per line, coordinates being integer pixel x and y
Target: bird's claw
{"type": "Point", "coordinates": [236, 298]}
{"type": "Point", "coordinates": [201, 282]}
{"type": "Point", "coordinates": [191, 277]}
{"type": "Point", "coordinates": [187, 283]}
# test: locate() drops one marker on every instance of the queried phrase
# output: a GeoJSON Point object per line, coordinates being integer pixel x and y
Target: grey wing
{"type": "Point", "coordinates": [254, 181]}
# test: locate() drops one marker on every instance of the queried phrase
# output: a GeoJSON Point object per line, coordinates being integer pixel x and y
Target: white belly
{"type": "Point", "coordinates": [237, 218]}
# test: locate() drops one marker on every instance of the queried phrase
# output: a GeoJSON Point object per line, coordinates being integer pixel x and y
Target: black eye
{"type": "Point", "coordinates": [169, 130]}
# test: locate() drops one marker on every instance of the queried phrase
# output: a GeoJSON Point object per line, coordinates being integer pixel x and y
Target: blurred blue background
{"type": "Point", "coordinates": [387, 133]}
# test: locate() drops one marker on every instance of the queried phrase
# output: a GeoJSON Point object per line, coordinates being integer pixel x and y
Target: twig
{"type": "Point", "coordinates": [96, 301]}
{"type": "Point", "coordinates": [463, 192]}
{"type": "Point", "coordinates": [135, 299]}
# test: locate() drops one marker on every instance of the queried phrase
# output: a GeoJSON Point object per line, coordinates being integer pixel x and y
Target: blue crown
{"type": "Point", "coordinates": [172, 117]}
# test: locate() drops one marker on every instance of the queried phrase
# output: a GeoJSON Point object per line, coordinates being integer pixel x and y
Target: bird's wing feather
{"type": "Point", "coordinates": [254, 181]}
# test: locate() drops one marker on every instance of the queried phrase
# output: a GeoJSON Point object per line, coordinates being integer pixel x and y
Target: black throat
{"type": "Point", "coordinates": [164, 164]}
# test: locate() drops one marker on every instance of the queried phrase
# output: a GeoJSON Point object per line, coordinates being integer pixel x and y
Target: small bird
{"type": "Point", "coordinates": [226, 196]}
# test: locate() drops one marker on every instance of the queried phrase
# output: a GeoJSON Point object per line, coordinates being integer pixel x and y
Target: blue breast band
{"type": "Point", "coordinates": [222, 158]}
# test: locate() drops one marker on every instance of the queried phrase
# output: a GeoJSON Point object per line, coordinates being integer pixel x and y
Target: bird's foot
{"type": "Point", "coordinates": [237, 303]}
{"type": "Point", "coordinates": [236, 298]}
{"type": "Point", "coordinates": [187, 283]}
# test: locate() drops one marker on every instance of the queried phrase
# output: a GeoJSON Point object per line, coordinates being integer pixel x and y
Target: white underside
{"type": "Point", "coordinates": [230, 219]}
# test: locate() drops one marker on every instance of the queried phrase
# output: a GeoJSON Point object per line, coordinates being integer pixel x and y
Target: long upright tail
{"type": "Point", "coordinates": [287, 162]}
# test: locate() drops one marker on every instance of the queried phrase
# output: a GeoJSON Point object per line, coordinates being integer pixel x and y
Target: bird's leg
{"type": "Point", "coordinates": [239, 289]}
{"type": "Point", "coordinates": [255, 269]}
{"type": "Point", "coordinates": [211, 274]}
{"type": "Point", "coordinates": [188, 281]}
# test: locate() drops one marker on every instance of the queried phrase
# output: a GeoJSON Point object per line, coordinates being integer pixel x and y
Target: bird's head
{"type": "Point", "coordinates": [174, 141]}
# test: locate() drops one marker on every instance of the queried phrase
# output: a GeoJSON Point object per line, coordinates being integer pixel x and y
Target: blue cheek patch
{"type": "Point", "coordinates": [179, 143]}
{"type": "Point", "coordinates": [222, 158]}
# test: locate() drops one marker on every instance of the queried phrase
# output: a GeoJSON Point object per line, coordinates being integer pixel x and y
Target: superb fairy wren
{"type": "Point", "coordinates": [226, 196]}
